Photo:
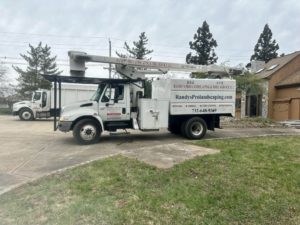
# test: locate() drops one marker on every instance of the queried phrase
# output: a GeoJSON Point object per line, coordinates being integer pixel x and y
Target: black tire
{"type": "Point", "coordinates": [26, 115]}
{"type": "Point", "coordinates": [195, 128]}
{"type": "Point", "coordinates": [86, 131]}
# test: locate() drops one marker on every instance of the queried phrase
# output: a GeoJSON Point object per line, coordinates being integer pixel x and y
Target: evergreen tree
{"type": "Point", "coordinates": [3, 80]}
{"type": "Point", "coordinates": [266, 48]}
{"type": "Point", "coordinates": [139, 51]}
{"type": "Point", "coordinates": [39, 62]}
{"type": "Point", "coordinates": [203, 45]}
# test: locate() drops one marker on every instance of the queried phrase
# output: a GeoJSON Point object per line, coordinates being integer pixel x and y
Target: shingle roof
{"type": "Point", "coordinates": [293, 79]}
{"type": "Point", "coordinates": [280, 61]}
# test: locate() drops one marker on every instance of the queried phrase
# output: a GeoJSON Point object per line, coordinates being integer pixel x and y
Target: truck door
{"type": "Point", "coordinates": [114, 104]}
{"type": "Point", "coordinates": [45, 104]}
{"type": "Point", "coordinates": [37, 101]}
{"type": "Point", "coordinates": [41, 101]}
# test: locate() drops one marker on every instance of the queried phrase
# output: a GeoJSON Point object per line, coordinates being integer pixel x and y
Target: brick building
{"type": "Point", "coordinates": [282, 82]}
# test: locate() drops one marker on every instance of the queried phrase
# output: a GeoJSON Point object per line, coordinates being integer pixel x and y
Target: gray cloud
{"type": "Point", "coordinates": [169, 25]}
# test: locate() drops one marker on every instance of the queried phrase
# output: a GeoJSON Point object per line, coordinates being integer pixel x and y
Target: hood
{"type": "Point", "coordinates": [77, 105]}
{"type": "Point", "coordinates": [27, 103]}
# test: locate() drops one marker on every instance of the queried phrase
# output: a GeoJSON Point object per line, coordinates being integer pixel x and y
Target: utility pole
{"type": "Point", "coordinates": [109, 42]}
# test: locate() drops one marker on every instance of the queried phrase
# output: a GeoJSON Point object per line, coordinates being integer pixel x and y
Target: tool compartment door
{"type": "Point", "coordinates": [153, 114]}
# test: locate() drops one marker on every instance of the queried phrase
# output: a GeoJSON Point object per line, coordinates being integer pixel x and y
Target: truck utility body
{"type": "Point", "coordinates": [42, 104]}
{"type": "Point", "coordinates": [188, 107]}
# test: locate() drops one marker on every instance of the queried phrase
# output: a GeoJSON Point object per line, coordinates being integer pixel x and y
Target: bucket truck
{"type": "Point", "coordinates": [188, 107]}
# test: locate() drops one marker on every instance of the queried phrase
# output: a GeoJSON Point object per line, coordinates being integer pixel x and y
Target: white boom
{"type": "Point", "coordinates": [135, 68]}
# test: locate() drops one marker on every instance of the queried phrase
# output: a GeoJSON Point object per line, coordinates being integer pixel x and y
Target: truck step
{"type": "Point", "coordinates": [135, 124]}
{"type": "Point", "coordinates": [125, 132]}
{"type": "Point", "coordinates": [114, 125]}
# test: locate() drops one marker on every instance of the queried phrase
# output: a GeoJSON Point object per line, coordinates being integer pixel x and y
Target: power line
{"type": "Point", "coordinates": [170, 54]}
{"type": "Point", "coordinates": [23, 44]}
{"type": "Point", "coordinates": [63, 46]}
{"type": "Point", "coordinates": [101, 37]}
{"type": "Point", "coordinates": [53, 35]}
{"type": "Point", "coordinates": [52, 44]}
{"type": "Point", "coordinates": [58, 64]}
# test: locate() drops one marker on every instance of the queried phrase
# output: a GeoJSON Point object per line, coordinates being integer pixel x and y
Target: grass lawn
{"type": "Point", "coordinates": [252, 181]}
{"type": "Point", "coordinates": [5, 111]}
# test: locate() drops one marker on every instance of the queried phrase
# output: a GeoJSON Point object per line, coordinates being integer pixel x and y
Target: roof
{"type": "Point", "coordinates": [86, 80]}
{"type": "Point", "coordinates": [292, 80]}
{"type": "Point", "coordinates": [280, 61]}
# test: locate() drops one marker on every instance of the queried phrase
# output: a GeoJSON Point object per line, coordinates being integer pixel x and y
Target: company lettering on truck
{"type": "Point", "coordinates": [200, 108]}
{"type": "Point", "coordinates": [197, 86]}
{"type": "Point", "coordinates": [201, 97]}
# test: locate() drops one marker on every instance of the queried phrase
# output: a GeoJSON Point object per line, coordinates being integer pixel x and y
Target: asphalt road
{"type": "Point", "coordinates": [29, 150]}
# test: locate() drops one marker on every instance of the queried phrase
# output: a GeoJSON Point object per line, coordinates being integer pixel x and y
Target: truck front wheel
{"type": "Point", "coordinates": [26, 114]}
{"type": "Point", "coordinates": [86, 132]}
{"type": "Point", "coordinates": [195, 128]}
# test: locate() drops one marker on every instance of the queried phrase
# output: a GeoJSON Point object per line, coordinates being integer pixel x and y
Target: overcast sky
{"type": "Point", "coordinates": [169, 25]}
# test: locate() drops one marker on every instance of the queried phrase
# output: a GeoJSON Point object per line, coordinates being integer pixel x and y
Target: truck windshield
{"type": "Point", "coordinates": [36, 96]}
{"type": "Point", "coordinates": [98, 93]}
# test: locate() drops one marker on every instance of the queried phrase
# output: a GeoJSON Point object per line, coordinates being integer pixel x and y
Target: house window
{"type": "Point", "coordinates": [273, 67]}
{"type": "Point", "coordinates": [258, 71]}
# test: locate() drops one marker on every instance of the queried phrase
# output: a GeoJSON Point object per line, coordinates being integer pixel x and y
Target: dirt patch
{"type": "Point", "coordinates": [255, 122]}
{"type": "Point", "coordinates": [167, 155]}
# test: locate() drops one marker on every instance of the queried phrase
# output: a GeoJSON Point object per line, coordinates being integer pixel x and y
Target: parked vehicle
{"type": "Point", "coordinates": [188, 107]}
{"type": "Point", "coordinates": [42, 102]}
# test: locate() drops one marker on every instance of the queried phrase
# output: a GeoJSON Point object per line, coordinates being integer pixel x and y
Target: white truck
{"type": "Point", "coordinates": [184, 106]}
{"type": "Point", "coordinates": [42, 101]}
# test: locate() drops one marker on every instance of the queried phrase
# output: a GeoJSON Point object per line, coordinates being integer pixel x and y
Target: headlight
{"type": "Point", "coordinates": [64, 118]}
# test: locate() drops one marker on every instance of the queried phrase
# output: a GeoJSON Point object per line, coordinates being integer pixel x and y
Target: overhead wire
{"type": "Point", "coordinates": [102, 37]}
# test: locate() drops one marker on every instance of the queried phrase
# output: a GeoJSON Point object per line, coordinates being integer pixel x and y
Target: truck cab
{"type": "Point", "coordinates": [42, 103]}
{"type": "Point", "coordinates": [28, 110]}
{"type": "Point", "coordinates": [110, 108]}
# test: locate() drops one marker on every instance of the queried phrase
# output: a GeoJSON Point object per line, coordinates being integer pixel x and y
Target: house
{"type": "Point", "coordinates": [282, 82]}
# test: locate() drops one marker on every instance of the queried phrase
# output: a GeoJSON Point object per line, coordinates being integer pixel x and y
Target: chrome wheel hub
{"type": "Point", "coordinates": [88, 132]}
{"type": "Point", "coordinates": [197, 129]}
{"type": "Point", "coordinates": [26, 115]}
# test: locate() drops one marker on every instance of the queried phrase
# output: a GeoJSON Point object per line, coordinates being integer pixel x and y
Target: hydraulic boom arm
{"type": "Point", "coordinates": [135, 68]}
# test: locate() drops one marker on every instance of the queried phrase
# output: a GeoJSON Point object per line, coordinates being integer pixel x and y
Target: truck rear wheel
{"type": "Point", "coordinates": [86, 132]}
{"type": "Point", "coordinates": [195, 128]}
{"type": "Point", "coordinates": [25, 114]}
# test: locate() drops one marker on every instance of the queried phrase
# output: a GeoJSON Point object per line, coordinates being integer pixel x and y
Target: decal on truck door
{"type": "Point", "coordinates": [113, 114]}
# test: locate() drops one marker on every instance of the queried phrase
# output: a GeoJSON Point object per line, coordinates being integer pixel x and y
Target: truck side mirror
{"type": "Point", "coordinates": [111, 102]}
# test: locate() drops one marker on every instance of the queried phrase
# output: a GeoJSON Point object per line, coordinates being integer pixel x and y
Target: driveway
{"type": "Point", "coordinates": [29, 150]}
